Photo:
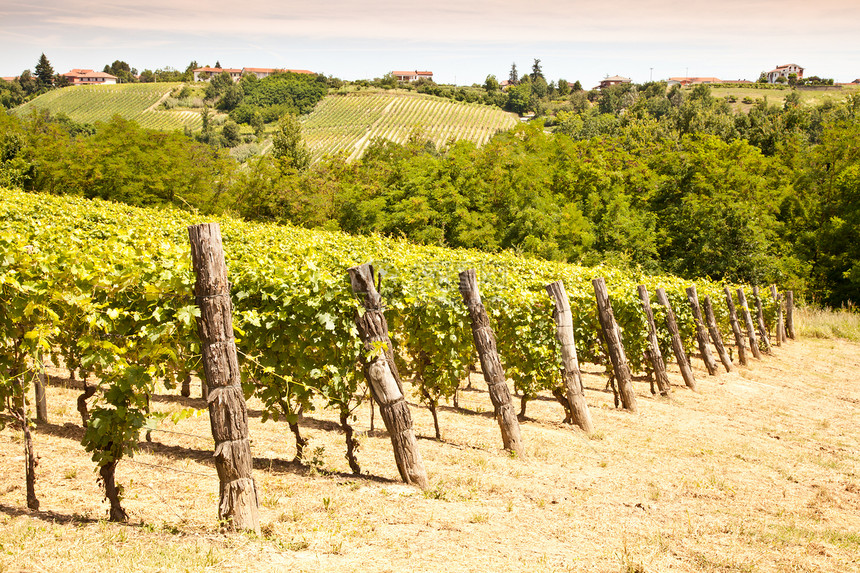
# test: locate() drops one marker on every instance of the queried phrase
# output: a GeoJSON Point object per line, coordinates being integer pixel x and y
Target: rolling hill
{"type": "Point", "coordinates": [349, 123]}
{"type": "Point", "coordinates": [136, 102]}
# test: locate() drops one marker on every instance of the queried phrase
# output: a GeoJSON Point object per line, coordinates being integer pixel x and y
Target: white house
{"type": "Point", "coordinates": [411, 76]}
{"type": "Point", "coordinates": [783, 72]}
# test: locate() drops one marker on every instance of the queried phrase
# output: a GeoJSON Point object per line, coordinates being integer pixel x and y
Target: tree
{"type": "Point", "coordinates": [44, 72]}
{"type": "Point", "coordinates": [230, 133]}
{"type": "Point", "coordinates": [287, 144]}
{"type": "Point", "coordinates": [491, 84]}
{"type": "Point", "coordinates": [218, 64]}
{"type": "Point", "coordinates": [536, 70]}
{"type": "Point", "coordinates": [27, 82]}
{"type": "Point", "coordinates": [519, 98]}
{"type": "Point", "coordinates": [577, 86]}
{"type": "Point", "coordinates": [513, 77]}
{"type": "Point", "coordinates": [539, 88]}
{"type": "Point", "coordinates": [762, 78]}
{"type": "Point", "coordinates": [563, 87]}
{"type": "Point", "coordinates": [792, 79]}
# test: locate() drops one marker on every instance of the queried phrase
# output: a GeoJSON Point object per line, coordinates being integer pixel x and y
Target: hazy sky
{"type": "Point", "coordinates": [460, 41]}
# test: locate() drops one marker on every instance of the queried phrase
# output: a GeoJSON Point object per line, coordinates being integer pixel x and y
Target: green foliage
{"type": "Point", "coordinates": [287, 145]}
{"type": "Point", "coordinates": [109, 288]}
{"type": "Point", "coordinates": [44, 72]}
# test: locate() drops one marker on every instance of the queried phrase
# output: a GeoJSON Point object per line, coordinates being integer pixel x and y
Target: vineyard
{"type": "Point", "coordinates": [106, 292]}
{"type": "Point", "coordinates": [89, 104]}
{"type": "Point", "coordinates": [349, 123]}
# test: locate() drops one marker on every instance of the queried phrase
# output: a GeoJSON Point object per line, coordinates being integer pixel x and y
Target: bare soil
{"type": "Point", "coordinates": [758, 471]}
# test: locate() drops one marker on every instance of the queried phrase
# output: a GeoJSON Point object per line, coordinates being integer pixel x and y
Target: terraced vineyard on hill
{"type": "Point", "coordinates": [349, 123]}
{"type": "Point", "coordinates": [136, 102]}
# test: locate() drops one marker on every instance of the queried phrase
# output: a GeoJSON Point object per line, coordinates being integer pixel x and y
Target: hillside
{"type": "Point", "coordinates": [349, 123]}
{"type": "Point", "coordinates": [136, 102]}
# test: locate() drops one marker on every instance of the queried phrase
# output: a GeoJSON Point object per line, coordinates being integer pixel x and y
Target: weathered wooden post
{"type": "Point", "coordinates": [655, 355]}
{"type": "Point", "coordinates": [677, 343]}
{"type": "Point", "coordinates": [780, 326]}
{"type": "Point", "coordinates": [701, 332]}
{"type": "Point", "coordinates": [716, 338]}
{"type": "Point", "coordinates": [612, 335]}
{"type": "Point", "coordinates": [570, 363]}
{"type": "Point", "coordinates": [736, 328]}
{"type": "Point", "coordinates": [40, 381]}
{"type": "Point", "coordinates": [762, 329]}
{"type": "Point", "coordinates": [227, 411]}
{"type": "Point", "coordinates": [384, 379]}
{"type": "Point", "coordinates": [742, 299]}
{"type": "Point", "coordinates": [789, 313]}
{"type": "Point", "coordinates": [491, 365]}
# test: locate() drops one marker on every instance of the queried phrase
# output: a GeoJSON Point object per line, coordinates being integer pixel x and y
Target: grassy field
{"type": "Point", "coordinates": [758, 471]}
{"type": "Point", "coordinates": [349, 123]}
{"type": "Point", "coordinates": [136, 102]}
{"type": "Point", "coordinates": [777, 96]}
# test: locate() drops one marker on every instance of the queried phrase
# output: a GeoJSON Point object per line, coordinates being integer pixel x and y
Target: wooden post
{"type": "Point", "coordinates": [762, 329]}
{"type": "Point", "coordinates": [742, 299]}
{"type": "Point", "coordinates": [612, 335]}
{"type": "Point", "coordinates": [677, 343]}
{"type": "Point", "coordinates": [655, 355]}
{"type": "Point", "coordinates": [227, 411]}
{"type": "Point", "coordinates": [780, 325]}
{"type": "Point", "coordinates": [736, 328]}
{"type": "Point", "coordinates": [570, 363]}
{"type": "Point", "coordinates": [716, 337]}
{"type": "Point", "coordinates": [40, 380]}
{"type": "Point", "coordinates": [701, 332]}
{"type": "Point", "coordinates": [491, 365]}
{"type": "Point", "coordinates": [789, 313]}
{"type": "Point", "coordinates": [384, 379]}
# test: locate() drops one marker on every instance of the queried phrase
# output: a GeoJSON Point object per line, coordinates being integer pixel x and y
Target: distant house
{"type": "Point", "coordinates": [236, 74]}
{"type": "Point", "coordinates": [412, 76]}
{"type": "Point", "coordinates": [612, 81]}
{"type": "Point", "coordinates": [783, 72]}
{"type": "Point", "coordinates": [78, 77]}
{"type": "Point", "coordinates": [9, 78]}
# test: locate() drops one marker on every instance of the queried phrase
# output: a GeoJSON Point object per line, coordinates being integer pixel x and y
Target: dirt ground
{"type": "Point", "coordinates": [758, 471]}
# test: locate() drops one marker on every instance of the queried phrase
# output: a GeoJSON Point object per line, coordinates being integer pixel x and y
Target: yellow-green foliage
{"type": "Point", "coordinates": [89, 104]}
{"type": "Point", "coordinates": [111, 285]}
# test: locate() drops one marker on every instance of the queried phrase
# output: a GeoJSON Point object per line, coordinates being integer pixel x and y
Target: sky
{"type": "Point", "coordinates": [459, 41]}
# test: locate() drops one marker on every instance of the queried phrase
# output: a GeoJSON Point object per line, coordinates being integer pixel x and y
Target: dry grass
{"type": "Point", "coordinates": [828, 323]}
{"type": "Point", "coordinates": [757, 472]}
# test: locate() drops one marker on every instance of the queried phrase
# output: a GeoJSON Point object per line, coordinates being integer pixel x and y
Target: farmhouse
{"type": "Point", "coordinates": [78, 77]}
{"type": "Point", "coordinates": [412, 76]}
{"type": "Point", "coordinates": [235, 73]}
{"type": "Point", "coordinates": [612, 81]}
{"type": "Point", "coordinates": [783, 72]}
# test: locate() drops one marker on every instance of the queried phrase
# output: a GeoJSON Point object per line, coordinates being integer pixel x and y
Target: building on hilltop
{"type": "Point", "coordinates": [783, 72]}
{"type": "Point", "coordinates": [612, 81]}
{"type": "Point", "coordinates": [79, 77]}
{"type": "Point", "coordinates": [236, 74]}
{"type": "Point", "coordinates": [412, 76]}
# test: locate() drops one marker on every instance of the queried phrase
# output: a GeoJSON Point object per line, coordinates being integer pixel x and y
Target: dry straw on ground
{"type": "Point", "coordinates": [757, 472]}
